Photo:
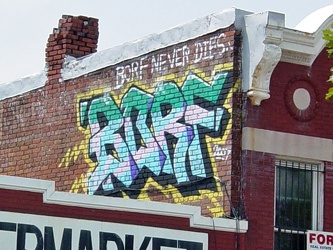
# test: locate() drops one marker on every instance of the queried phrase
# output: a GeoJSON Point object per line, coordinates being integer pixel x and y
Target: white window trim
{"type": "Point", "coordinates": [318, 182]}
{"type": "Point", "coordinates": [318, 214]}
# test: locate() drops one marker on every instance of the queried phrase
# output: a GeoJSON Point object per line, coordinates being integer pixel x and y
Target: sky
{"type": "Point", "coordinates": [26, 24]}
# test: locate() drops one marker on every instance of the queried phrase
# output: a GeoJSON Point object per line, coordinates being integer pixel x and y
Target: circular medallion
{"type": "Point", "coordinates": [301, 99]}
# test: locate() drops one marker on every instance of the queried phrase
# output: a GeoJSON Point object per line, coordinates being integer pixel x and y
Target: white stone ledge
{"type": "Point", "coordinates": [50, 196]}
{"type": "Point", "coordinates": [286, 144]}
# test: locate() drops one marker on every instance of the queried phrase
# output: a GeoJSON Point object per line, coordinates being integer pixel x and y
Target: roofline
{"type": "Point", "coordinates": [266, 42]}
{"type": "Point", "coordinates": [76, 67]}
{"type": "Point", "coordinates": [182, 33]}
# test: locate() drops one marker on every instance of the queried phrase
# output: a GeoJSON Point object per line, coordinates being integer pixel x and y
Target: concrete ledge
{"type": "Point", "coordinates": [50, 196]}
{"type": "Point", "coordinates": [286, 144]}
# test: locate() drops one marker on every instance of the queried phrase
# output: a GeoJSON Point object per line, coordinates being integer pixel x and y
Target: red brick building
{"type": "Point", "coordinates": [211, 135]}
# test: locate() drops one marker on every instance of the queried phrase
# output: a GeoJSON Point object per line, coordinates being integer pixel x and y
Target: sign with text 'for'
{"type": "Point", "coordinates": [319, 240]}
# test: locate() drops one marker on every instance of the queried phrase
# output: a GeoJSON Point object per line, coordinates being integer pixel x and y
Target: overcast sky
{"type": "Point", "coordinates": [26, 24]}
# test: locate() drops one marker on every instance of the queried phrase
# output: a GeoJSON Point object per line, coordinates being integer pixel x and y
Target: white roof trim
{"type": "Point", "coordinates": [22, 85]}
{"type": "Point", "coordinates": [265, 42]}
{"type": "Point", "coordinates": [303, 44]}
{"type": "Point", "coordinates": [78, 67]}
{"type": "Point", "coordinates": [50, 196]}
{"type": "Point", "coordinates": [73, 67]}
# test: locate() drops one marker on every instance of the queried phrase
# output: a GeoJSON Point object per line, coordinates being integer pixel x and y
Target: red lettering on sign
{"type": "Point", "coordinates": [329, 239]}
{"type": "Point", "coordinates": [321, 239]}
{"type": "Point", "coordinates": [312, 237]}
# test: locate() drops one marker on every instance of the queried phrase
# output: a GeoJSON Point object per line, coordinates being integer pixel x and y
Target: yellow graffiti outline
{"type": "Point", "coordinates": [169, 191]}
{"type": "Point", "coordinates": [79, 183]}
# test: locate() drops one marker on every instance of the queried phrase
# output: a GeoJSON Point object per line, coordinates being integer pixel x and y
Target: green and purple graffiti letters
{"type": "Point", "coordinates": [164, 132]}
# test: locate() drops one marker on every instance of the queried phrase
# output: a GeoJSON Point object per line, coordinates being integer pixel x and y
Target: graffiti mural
{"type": "Point", "coordinates": [165, 138]}
{"type": "Point", "coordinates": [155, 134]}
{"type": "Point", "coordinates": [159, 128]}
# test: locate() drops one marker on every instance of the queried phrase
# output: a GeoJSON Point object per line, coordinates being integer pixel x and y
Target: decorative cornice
{"type": "Point", "coordinates": [303, 44]}
{"type": "Point", "coordinates": [261, 53]}
{"type": "Point", "coordinates": [262, 74]}
{"type": "Point", "coordinates": [299, 48]}
{"type": "Point", "coordinates": [267, 41]}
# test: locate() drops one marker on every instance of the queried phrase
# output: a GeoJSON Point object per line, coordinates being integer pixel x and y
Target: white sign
{"type": "Point", "coordinates": [319, 240]}
{"type": "Point", "coordinates": [34, 232]}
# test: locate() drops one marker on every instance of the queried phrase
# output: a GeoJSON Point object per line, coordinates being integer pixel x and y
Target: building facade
{"type": "Point", "coordinates": [217, 129]}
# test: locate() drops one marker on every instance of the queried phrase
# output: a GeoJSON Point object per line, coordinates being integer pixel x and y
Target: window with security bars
{"type": "Point", "coordinates": [298, 203]}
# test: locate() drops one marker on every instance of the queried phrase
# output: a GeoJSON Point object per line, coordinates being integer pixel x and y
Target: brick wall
{"type": "Point", "coordinates": [258, 198]}
{"type": "Point", "coordinates": [155, 127]}
{"type": "Point", "coordinates": [276, 114]}
{"type": "Point", "coordinates": [279, 113]}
